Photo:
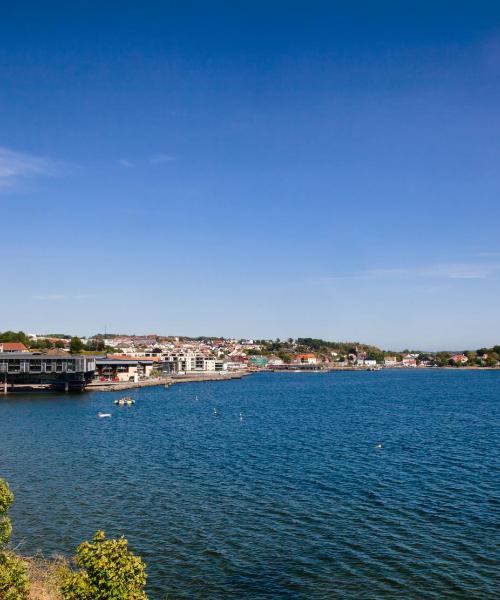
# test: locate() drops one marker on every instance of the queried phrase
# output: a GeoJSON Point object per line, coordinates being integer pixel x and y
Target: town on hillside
{"type": "Point", "coordinates": [113, 358]}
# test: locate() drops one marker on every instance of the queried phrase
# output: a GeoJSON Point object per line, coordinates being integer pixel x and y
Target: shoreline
{"type": "Point", "coordinates": [115, 386]}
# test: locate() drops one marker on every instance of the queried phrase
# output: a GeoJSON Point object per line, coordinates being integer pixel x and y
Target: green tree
{"type": "Point", "coordinates": [492, 359]}
{"type": "Point", "coordinates": [471, 357]}
{"type": "Point", "coordinates": [76, 345]}
{"type": "Point", "coordinates": [285, 357]}
{"type": "Point", "coordinates": [6, 499]}
{"type": "Point", "coordinates": [107, 571]}
{"type": "Point", "coordinates": [13, 336]}
{"type": "Point", "coordinates": [377, 355]}
{"type": "Point", "coordinates": [45, 344]}
{"type": "Point", "coordinates": [13, 573]}
{"type": "Point", "coordinates": [443, 358]}
{"type": "Point", "coordinates": [59, 344]}
{"type": "Point", "coordinates": [96, 345]}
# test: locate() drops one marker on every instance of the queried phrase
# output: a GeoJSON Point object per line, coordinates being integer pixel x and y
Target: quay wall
{"type": "Point", "coordinates": [128, 385]}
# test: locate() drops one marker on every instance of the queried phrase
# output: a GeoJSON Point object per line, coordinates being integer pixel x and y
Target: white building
{"type": "Point", "coordinates": [188, 361]}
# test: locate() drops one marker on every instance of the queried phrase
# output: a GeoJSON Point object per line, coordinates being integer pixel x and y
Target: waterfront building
{"type": "Point", "coordinates": [258, 361]}
{"type": "Point", "coordinates": [123, 369]}
{"type": "Point", "coordinates": [57, 371]}
{"type": "Point", "coordinates": [305, 359]}
{"type": "Point", "coordinates": [188, 361]}
{"type": "Point", "coordinates": [233, 366]}
{"type": "Point", "coordinates": [409, 361]}
{"type": "Point", "coordinates": [275, 361]}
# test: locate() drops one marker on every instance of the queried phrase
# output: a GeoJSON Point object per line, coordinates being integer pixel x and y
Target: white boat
{"type": "Point", "coordinates": [102, 415]}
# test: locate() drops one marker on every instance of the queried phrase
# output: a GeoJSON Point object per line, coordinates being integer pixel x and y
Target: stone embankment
{"type": "Point", "coordinates": [113, 386]}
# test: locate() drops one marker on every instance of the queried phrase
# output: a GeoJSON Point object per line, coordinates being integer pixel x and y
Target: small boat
{"type": "Point", "coordinates": [102, 415]}
{"type": "Point", "coordinates": [125, 401]}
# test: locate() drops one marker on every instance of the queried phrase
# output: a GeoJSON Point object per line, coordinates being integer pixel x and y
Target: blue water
{"type": "Point", "coordinates": [294, 501]}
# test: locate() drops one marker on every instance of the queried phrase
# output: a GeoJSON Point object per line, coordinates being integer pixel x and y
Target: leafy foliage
{"type": "Point", "coordinates": [108, 571]}
{"type": "Point", "coordinates": [76, 345]}
{"type": "Point", "coordinates": [14, 583]}
{"type": "Point", "coordinates": [6, 499]}
{"type": "Point", "coordinates": [13, 336]}
{"type": "Point", "coordinates": [96, 345]}
{"type": "Point", "coordinates": [13, 572]}
{"type": "Point", "coordinates": [41, 344]}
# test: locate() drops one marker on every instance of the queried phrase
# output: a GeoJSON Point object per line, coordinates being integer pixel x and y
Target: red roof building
{"type": "Point", "coordinates": [13, 347]}
{"type": "Point", "coordinates": [308, 359]}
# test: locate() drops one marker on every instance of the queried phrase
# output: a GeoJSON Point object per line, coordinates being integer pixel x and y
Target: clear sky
{"type": "Point", "coordinates": [257, 169]}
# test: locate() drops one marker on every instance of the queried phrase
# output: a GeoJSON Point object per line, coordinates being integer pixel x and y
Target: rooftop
{"type": "Point", "coordinates": [39, 355]}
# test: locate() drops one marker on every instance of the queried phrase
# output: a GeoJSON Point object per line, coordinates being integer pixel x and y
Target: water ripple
{"type": "Point", "coordinates": [295, 502]}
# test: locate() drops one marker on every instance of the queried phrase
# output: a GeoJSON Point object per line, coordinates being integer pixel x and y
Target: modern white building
{"type": "Point", "coordinates": [189, 361]}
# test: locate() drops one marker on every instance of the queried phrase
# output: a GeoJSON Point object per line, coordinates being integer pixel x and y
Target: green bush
{"type": "Point", "coordinates": [14, 583]}
{"type": "Point", "coordinates": [108, 571]}
{"type": "Point", "coordinates": [13, 573]}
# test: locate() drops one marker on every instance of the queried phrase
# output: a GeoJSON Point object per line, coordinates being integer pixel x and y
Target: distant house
{"type": "Point", "coordinates": [275, 361]}
{"type": "Point", "coordinates": [459, 359]}
{"type": "Point", "coordinates": [390, 361]}
{"type": "Point", "coordinates": [305, 359]}
{"type": "Point", "coordinates": [258, 361]}
{"type": "Point", "coordinates": [13, 347]}
{"type": "Point", "coordinates": [239, 358]}
{"type": "Point", "coordinates": [370, 362]}
{"type": "Point", "coordinates": [409, 361]}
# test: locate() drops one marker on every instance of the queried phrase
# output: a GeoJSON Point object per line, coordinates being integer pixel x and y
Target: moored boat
{"type": "Point", "coordinates": [125, 401]}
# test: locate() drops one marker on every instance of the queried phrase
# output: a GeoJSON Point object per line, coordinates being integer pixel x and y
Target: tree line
{"type": "Point", "coordinates": [76, 346]}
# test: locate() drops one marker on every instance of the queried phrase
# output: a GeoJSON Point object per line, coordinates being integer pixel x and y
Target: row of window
{"type": "Point", "coordinates": [36, 366]}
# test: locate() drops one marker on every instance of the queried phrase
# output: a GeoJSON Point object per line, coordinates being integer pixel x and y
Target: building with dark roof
{"type": "Point", "coordinates": [59, 371]}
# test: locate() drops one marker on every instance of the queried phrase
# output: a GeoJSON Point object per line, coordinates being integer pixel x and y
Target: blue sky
{"type": "Point", "coordinates": [252, 169]}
